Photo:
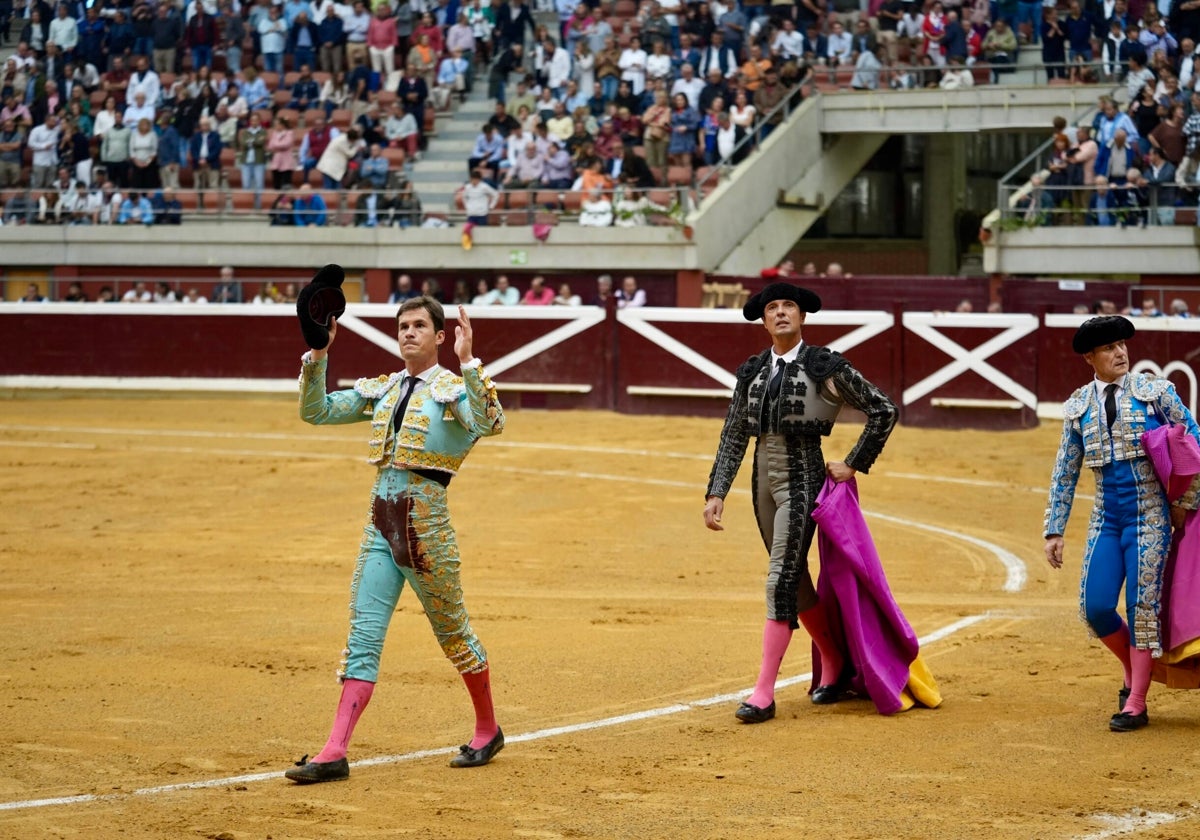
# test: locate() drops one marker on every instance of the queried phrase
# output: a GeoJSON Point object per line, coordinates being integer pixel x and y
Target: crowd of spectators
{"type": "Point", "coordinates": [153, 106]}
{"type": "Point", "coordinates": [504, 293]}
{"type": "Point", "coordinates": [142, 104]}
{"type": "Point", "coordinates": [1128, 167]}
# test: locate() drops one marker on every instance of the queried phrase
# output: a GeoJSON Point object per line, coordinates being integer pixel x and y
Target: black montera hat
{"type": "Point", "coordinates": [1096, 332]}
{"type": "Point", "coordinates": [806, 300]}
{"type": "Point", "coordinates": [319, 301]}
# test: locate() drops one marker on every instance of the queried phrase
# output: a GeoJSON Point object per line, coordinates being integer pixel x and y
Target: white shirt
{"type": "Point", "coordinates": [633, 68]}
{"type": "Point", "coordinates": [690, 89]}
{"type": "Point", "coordinates": [789, 44]}
{"type": "Point", "coordinates": [149, 84]}
{"type": "Point", "coordinates": [788, 358]}
{"type": "Point", "coordinates": [1100, 386]}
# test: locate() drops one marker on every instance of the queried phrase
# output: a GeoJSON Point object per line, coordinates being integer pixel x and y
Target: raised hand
{"type": "Point", "coordinates": [464, 337]}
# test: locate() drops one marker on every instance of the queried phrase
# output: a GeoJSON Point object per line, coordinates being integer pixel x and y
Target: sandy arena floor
{"type": "Point", "coordinates": [173, 605]}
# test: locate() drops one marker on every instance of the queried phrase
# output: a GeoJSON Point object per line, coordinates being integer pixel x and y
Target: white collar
{"type": "Point", "coordinates": [1101, 385]}
{"type": "Point", "coordinates": [788, 357]}
{"type": "Point", "coordinates": [424, 375]}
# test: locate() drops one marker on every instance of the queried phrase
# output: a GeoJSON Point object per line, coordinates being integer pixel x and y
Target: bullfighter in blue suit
{"type": "Point", "coordinates": [1130, 528]}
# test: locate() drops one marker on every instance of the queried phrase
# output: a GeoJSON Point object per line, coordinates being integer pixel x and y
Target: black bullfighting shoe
{"type": "Point", "coordinates": [310, 772]}
{"type": "Point", "coordinates": [1125, 722]}
{"type": "Point", "coordinates": [468, 757]}
{"type": "Point", "coordinates": [753, 714]}
{"type": "Point", "coordinates": [1122, 696]}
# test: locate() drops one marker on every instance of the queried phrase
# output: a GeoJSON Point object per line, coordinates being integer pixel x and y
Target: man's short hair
{"type": "Point", "coordinates": [430, 305]}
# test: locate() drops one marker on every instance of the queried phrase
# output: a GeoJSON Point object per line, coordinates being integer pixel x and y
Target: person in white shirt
{"type": "Point", "coordinates": [688, 85]}
{"type": "Point", "coordinates": [956, 75]}
{"type": "Point", "coordinates": [43, 142]}
{"type": "Point", "coordinates": [566, 297]}
{"type": "Point", "coordinates": [841, 44]}
{"type": "Point", "coordinates": [64, 30]}
{"type": "Point", "coordinates": [479, 198]}
{"type": "Point", "coordinates": [139, 110]}
{"type": "Point", "coordinates": [788, 44]}
{"type": "Point", "coordinates": [138, 294]}
{"type": "Point", "coordinates": [558, 69]}
{"type": "Point", "coordinates": [193, 296]}
{"type": "Point", "coordinates": [866, 70]}
{"type": "Point", "coordinates": [146, 81]}
{"type": "Point", "coordinates": [596, 210]}
{"type": "Point", "coordinates": [633, 66]}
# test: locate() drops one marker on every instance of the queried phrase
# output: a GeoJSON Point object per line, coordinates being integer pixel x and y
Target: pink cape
{"type": "Point", "coordinates": [1175, 455]}
{"type": "Point", "coordinates": [868, 624]}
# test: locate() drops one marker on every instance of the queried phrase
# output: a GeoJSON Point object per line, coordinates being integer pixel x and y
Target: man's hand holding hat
{"type": "Point", "coordinates": [319, 303]}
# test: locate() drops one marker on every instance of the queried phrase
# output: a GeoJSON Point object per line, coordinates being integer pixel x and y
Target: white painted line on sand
{"type": "Point", "coordinates": [1137, 821]}
{"type": "Point", "coordinates": [536, 735]}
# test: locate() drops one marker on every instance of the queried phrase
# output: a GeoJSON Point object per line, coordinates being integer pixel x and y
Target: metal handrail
{"type": "Point", "coordinates": [340, 208]}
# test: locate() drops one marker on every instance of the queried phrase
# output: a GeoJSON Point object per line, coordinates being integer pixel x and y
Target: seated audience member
{"type": "Point", "coordinates": [134, 209]}
{"type": "Point", "coordinates": [631, 206]}
{"type": "Point", "coordinates": [282, 209]}
{"type": "Point", "coordinates": [604, 291]}
{"type": "Point", "coordinates": [403, 291]}
{"type": "Point", "coordinates": [527, 171]}
{"type": "Point", "coordinates": [538, 293]}
{"type": "Point", "coordinates": [566, 297]}
{"type": "Point", "coordinates": [308, 207]}
{"type": "Point", "coordinates": [168, 210]}
{"type": "Point", "coordinates": [1103, 208]}
{"type": "Point", "coordinates": [504, 294]}
{"type": "Point", "coordinates": [138, 294]}
{"type": "Point", "coordinates": [629, 295]}
{"type": "Point", "coordinates": [559, 174]}
{"type": "Point", "coordinates": [401, 131]}
{"type": "Point", "coordinates": [597, 210]}
{"type": "Point", "coordinates": [305, 91]}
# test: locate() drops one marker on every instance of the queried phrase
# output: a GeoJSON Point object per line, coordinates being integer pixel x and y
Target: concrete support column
{"type": "Point", "coordinates": [943, 192]}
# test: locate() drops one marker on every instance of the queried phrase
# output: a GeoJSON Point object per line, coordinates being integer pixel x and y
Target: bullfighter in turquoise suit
{"type": "Point", "coordinates": [1129, 532]}
{"type": "Point", "coordinates": [424, 421]}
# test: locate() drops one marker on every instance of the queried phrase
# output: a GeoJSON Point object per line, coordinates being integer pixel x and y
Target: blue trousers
{"type": "Point", "coordinates": [1115, 555]}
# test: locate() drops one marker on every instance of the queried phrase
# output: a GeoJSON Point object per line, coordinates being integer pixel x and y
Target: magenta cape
{"type": "Point", "coordinates": [869, 625]}
{"type": "Point", "coordinates": [1176, 458]}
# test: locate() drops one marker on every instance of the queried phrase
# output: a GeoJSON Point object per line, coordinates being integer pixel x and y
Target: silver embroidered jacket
{"type": "Point", "coordinates": [794, 414]}
{"type": "Point", "coordinates": [1086, 439]}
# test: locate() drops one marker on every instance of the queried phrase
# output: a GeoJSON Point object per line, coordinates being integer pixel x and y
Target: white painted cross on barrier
{"type": "Point", "coordinates": [927, 325]}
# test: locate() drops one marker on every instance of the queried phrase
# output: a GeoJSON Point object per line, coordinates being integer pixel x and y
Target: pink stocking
{"type": "Point", "coordinates": [479, 685]}
{"type": "Point", "coordinates": [776, 635]}
{"type": "Point", "coordinates": [816, 622]}
{"type": "Point", "coordinates": [355, 696]}
{"type": "Point", "coordinates": [1118, 643]}
{"type": "Point", "coordinates": [1141, 662]}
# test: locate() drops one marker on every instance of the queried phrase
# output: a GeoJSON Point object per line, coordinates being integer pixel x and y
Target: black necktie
{"type": "Point", "coordinates": [398, 417]}
{"type": "Point", "coordinates": [1110, 405]}
{"type": "Point", "coordinates": [776, 380]}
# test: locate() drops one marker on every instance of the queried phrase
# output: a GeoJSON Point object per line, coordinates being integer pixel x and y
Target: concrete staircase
{"type": "Point", "coordinates": [442, 168]}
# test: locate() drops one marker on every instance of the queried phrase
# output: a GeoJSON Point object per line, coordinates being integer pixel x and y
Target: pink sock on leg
{"type": "Point", "coordinates": [776, 635]}
{"type": "Point", "coordinates": [355, 696]}
{"type": "Point", "coordinates": [1141, 662]}
{"type": "Point", "coordinates": [1118, 643]}
{"type": "Point", "coordinates": [816, 622]}
{"type": "Point", "coordinates": [479, 686]}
